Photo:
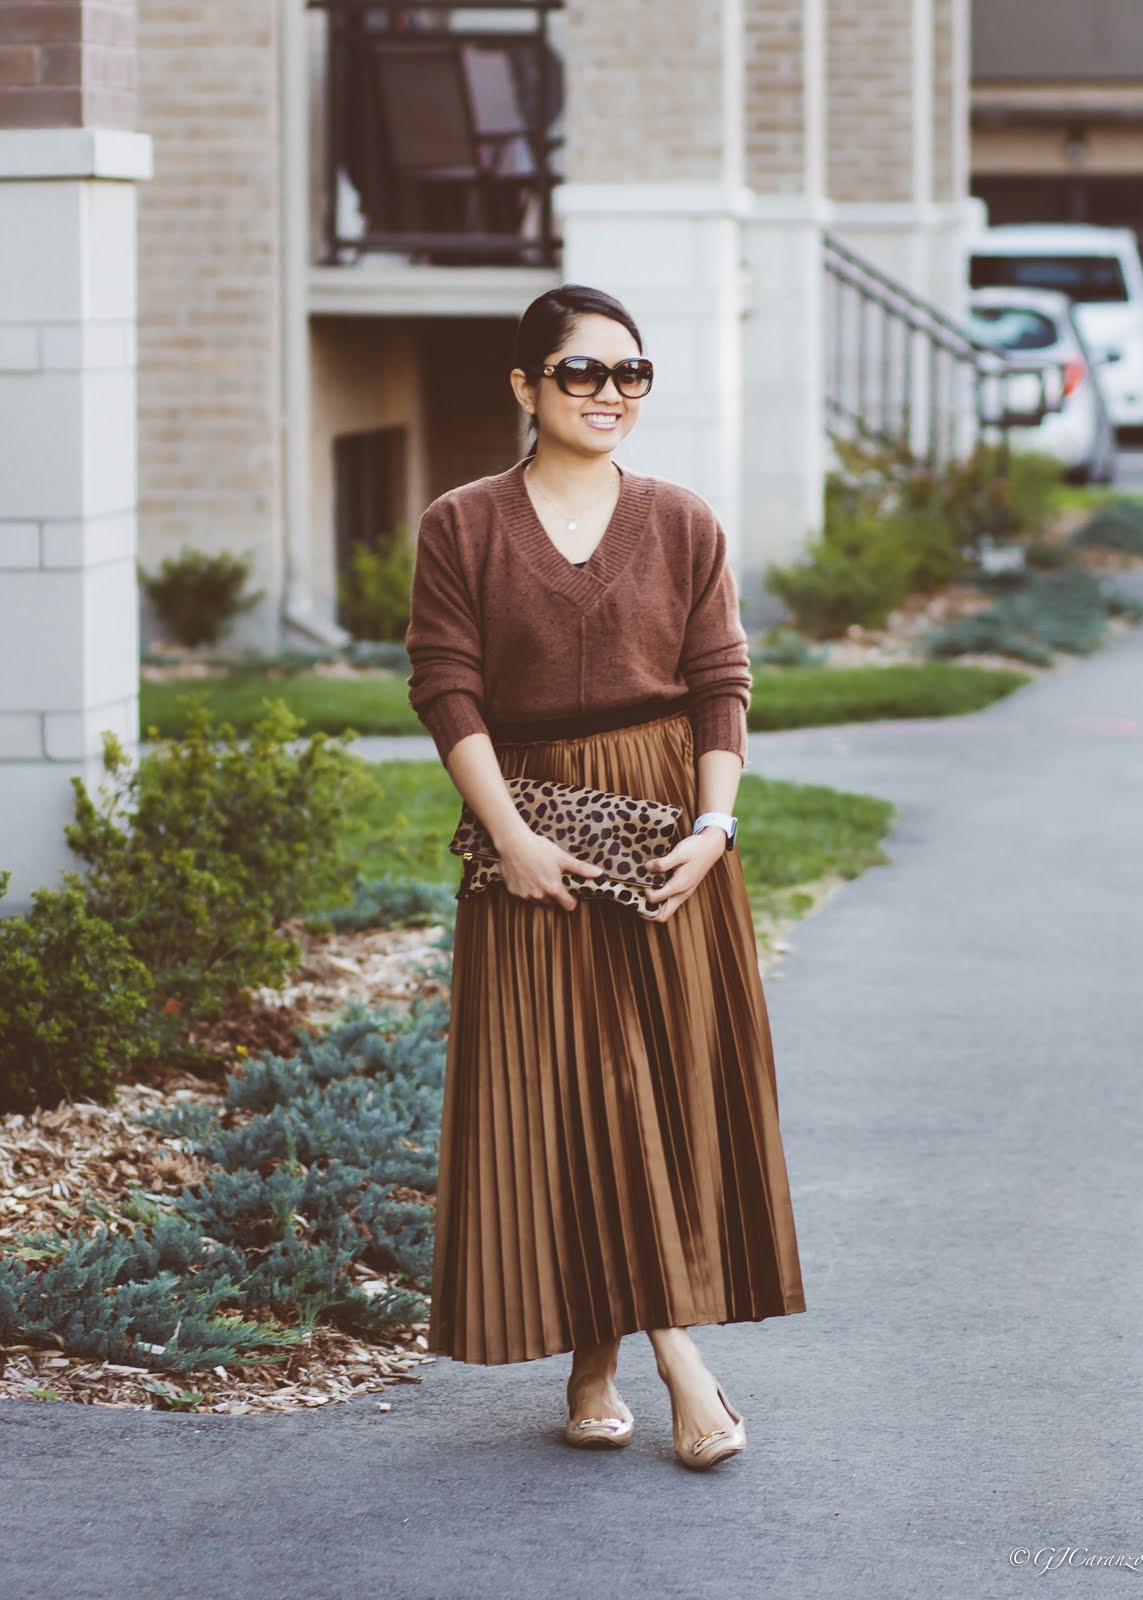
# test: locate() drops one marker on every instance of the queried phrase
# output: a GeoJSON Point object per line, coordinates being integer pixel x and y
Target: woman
{"type": "Point", "coordinates": [610, 1152]}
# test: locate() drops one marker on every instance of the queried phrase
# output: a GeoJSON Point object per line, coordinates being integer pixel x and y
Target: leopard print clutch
{"type": "Point", "coordinates": [614, 831]}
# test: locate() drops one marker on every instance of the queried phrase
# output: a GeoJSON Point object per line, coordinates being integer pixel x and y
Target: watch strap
{"type": "Point", "coordinates": [719, 819]}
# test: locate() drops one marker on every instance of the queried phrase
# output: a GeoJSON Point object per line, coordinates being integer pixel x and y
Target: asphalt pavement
{"type": "Point", "coordinates": [959, 1038]}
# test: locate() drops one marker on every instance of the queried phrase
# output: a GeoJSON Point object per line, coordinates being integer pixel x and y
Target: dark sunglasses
{"type": "Point", "coordinates": [583, 375]}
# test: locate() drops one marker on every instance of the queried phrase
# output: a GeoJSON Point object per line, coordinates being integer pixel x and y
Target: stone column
{"type": "Point", "coordinates": [652, 211]}
{"type": "Point", "coordinates": [68, 607]}
{"type": "Point", "coordinates": [784, 454]}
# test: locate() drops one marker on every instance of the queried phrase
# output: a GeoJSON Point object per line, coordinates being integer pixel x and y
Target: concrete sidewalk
{"type": "Point", "coordinates": [959, 1039]}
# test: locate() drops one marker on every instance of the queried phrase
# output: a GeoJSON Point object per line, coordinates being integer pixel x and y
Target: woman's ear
{"type": "Point", "coordinates": [523, 390]}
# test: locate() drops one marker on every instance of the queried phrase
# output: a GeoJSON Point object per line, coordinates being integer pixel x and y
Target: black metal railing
{"type": "Point", "coordinates": [442, 138]}
{"type": "Point", "coordinates": [903, 375]}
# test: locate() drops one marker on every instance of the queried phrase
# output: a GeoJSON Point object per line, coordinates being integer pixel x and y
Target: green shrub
{"type": "Point", "coordinates": [71, 997]}
{"type": "Point", "coordinates": [1036, 614]}
{"type": "Point", "coordinates": [326, 1169]}
{"type": "Point", "coordinates": [390, 902]}
{"type": "Point", "coordinates": [1118, 526]}
{"type": "Point", "coordinates": [893, 526]}
{"type": "Point", "coordinates": [200, 853]}
{"type": "Point", "coordinates": [997, 631]}
{"type": "Point", "coordinates": [365, 654]}
{"type": "Point", "coordinates": [858, 572]}
{"type": "Point", "coordinates": [988, 491]}
{"type": "Point", "coordinates": [1042, 555]}
{"type": "Point", "coordinates": [1033, 482]}
{"type": "Point", "coordinates": [389, 654]}
{"type": "Point", "coordinates": [196, 595]}
{"type": "Point", "coordinates": [785, 647]}
{"type": "Point", "coordinates": [376, 596]}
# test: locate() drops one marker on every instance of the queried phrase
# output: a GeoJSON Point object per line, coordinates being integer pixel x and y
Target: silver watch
{"type": "Point", "coordinates": [717, 819]}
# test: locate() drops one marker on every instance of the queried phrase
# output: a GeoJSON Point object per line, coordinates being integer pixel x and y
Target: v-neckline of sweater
{"type": "Point", "coordinates": [582, 585]}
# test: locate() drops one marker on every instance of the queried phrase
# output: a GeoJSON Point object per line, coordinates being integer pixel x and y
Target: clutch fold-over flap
{"type": "Point", "coordinates": [617, 832]}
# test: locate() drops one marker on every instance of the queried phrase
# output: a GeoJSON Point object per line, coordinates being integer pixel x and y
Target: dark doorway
{"type": "Point", "coordinates": [369, 484]}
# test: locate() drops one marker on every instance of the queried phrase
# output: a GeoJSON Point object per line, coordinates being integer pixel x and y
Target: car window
{"type": "Point", "coordinates": [1013, 327]}
{"type": "Point", "coordinates": [1084, 278]}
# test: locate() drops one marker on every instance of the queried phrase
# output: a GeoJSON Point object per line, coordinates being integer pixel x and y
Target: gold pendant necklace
{"type": "Point", "coordinates": [573, 521]}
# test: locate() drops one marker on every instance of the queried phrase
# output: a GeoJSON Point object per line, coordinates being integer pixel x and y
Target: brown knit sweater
{"type": "Point", "coordinates": [506, 629]}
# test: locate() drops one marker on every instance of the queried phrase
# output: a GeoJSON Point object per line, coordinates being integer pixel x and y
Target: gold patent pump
{"type": "Point", "coordinates": [717, 1445]}
{"type": "Point", "coordinates": [600, 1433]}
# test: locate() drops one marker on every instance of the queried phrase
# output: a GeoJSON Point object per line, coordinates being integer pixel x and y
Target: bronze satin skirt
{"type": "Point", "coordinates": [610, 1153]}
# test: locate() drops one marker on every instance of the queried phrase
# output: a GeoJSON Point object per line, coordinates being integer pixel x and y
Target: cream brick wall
{"type": "Point", "coordinates": [950, 98]}
{"type": "Point", "coordinates": [869, 66]}
{"type": "Point", "coordinates": [209, 276]}
{"type": "Point", "coordinates": [645, 91]}
{"type": "Point", "coordinates": [775, 113]}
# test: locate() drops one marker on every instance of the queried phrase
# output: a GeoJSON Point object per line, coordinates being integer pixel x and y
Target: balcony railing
{"type": "Point", "coordinates": [441, 138]}
{"type": "Point", "coordinates": [902, 374]}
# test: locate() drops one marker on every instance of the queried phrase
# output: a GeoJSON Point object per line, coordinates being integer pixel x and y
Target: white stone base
{"type": "Point", "coordinates": [36, 804]}
{"type": "Point", "coordinates": [783, 434]}
{"type": "Point", "coordinates": [69, 638]}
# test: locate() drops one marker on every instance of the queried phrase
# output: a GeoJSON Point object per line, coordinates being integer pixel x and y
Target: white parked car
{"type": "Point", "coordinates": [1039, 328]}
{"type": "Point", "coordinates": [1100, 270]}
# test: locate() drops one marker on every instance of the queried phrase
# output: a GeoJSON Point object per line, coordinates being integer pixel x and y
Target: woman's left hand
{"type": "Point", "coordinates": [691, 860]}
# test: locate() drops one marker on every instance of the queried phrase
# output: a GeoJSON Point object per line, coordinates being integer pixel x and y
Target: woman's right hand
{"type": "Point", "coordinates": [531, 867]}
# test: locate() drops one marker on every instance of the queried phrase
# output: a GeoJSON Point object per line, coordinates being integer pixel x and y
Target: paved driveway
{"type": "Point", "coordinates": [959, 1040]}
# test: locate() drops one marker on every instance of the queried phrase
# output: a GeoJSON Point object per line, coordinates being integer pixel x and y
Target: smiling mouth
{"type": "Point", "coordinates": [597, 419]}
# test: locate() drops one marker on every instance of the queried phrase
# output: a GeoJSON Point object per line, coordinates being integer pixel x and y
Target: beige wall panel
{"type": "Point", "coordinates": [645, 91]}
{"type": "Point", "coordinates": [209, 313]}
{"type": "Point", "coordinates": [1039, 150]}
{"type": "Point", "coordinates": [775, 108]}
{"type": "Point", "coordinates": [869, 66]}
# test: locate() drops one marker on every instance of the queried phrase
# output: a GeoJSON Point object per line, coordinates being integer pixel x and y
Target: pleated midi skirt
{"type": "Point", "coordinates": [610, 1152]}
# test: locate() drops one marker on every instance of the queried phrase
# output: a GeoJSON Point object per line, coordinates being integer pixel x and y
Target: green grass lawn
{"type": "Point", "coordinates": [1087, 496]}
{"type": "Point", "coordinates": [783, 697]}
{"type": "Point", "coordinates": [808, 697]}
{"type": "Point", "coordinates": [789, 834]}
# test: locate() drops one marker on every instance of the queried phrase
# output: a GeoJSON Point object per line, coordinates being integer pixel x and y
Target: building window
{"type": "Point", "coordinates": [443, 133]}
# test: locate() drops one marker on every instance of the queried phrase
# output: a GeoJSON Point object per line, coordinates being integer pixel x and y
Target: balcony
{"type": "Point", "coordinates": [439, 136]}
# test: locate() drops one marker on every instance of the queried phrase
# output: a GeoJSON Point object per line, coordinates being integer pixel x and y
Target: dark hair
{"type": "Point", "coordinates": [549, 320]}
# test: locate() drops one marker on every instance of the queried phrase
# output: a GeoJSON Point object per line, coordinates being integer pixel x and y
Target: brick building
{"type": "Point", "coordinates": [325, 313]}
{"type": "Point", "coordinates": [351, 202]}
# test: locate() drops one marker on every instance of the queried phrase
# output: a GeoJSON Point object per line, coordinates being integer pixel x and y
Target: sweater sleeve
{"type": "Point", "coordinates": [715, 660]}
{"type": "Point", "coordinates": [446, 688]}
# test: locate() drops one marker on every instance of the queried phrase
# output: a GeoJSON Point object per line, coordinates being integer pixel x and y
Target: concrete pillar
{"type": "Point", "coordinates": [652, 211]}
{"type": "Point", "coordinates": [68, 605]}
{"type": "Point", "coordinates": [784, 428]}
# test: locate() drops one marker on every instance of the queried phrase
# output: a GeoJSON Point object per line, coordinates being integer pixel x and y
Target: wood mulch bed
{"type": "Point", "coordinates": [54, 1161]}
